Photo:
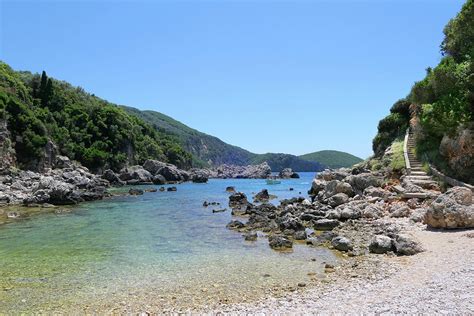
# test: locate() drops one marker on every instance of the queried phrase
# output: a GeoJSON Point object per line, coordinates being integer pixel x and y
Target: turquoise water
{"type": "Point", "coordinates": [155, 251]}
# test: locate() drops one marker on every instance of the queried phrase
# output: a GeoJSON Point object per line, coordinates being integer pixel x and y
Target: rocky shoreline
{"type": "Point", "coordinates": [355, 211]}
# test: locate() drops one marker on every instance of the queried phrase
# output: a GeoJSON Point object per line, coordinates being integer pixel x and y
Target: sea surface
{"type": "Point", "coordinates": [157, 251]}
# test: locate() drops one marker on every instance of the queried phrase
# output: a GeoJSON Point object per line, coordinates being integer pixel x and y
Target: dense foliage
{"type": "Point", "coordinates": [332, 158]}
{"type": "Point", "coordinates": [443, 102]}
{"type": "Point", "coordinates": [86, 128]}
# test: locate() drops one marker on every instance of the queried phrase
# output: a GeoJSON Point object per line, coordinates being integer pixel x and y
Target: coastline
{"type": "Point", "coordinates": [438, 280]}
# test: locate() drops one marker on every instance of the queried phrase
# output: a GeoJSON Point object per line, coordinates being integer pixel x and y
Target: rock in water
{"type": "Point", "coordinates": [172, 189]}
{"type": "Point", "coordinates": [262, 196]}
{"type": "Point", "coordinates": [279, 242]}
{"type": "Point", "coordinates": [453, 209]}
{"type": "Point", "coordinates": [235, 225]}
{"type": "Point", "coordinates": [230, 189]}
{"type": "Point", "coordinates": [135, 192]}
{"type": "Point", "coordinates": [288, 173]}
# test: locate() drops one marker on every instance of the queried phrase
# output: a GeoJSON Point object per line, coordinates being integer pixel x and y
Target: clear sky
{"type": "Point", "coordinates": [268, 76]}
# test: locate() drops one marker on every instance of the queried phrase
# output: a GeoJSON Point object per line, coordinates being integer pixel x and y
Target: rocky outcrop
{"type": "Point", "coordinates": [135, 175]}
{"type": "Point", "coordinates": [459, 153]}
{"type": "Point", "coordinates": [7, 153]}
{"type": "Point", "coordinates": [288, 173]}
{"type": "Point", "coordinates": [261, 171]}
{"type": "Point", "coordinates": [350, 211]}
{"type": "Point", "coordinates": [58, 186]}
{"type": "Point", "coordinates": [453, 209]}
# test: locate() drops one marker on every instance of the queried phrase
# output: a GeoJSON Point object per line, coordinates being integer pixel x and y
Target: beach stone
{"type": "Point", "coordinates": [317, 186]}
{"type": "Point", "coordinates": [300, 235]}
{"type": "Point", "coordinates": [405, 245]}
{"type": "Point", "coordinates": [338, 199]}
{"type": "Point", "coordinates": [325, 224]}
{"type": "Point", "coordinates": [377, 192]}
{"type": "Point", "coordinates": [341, 243]}
{"type": "Point", "coordinates": [381, 244]}
{"type": "Point", "coordinates": [172, 189]}
{"type": "Point", "coordinates": [335, 186]}
{"type": "Point", "coordinates": [400, 210]}
{"type": "Point", "coordinates": [279, 242]}
{"type": "Point", "coordinates": [453, 209]}
{"type": "Point", "coordinates": [418, 215]}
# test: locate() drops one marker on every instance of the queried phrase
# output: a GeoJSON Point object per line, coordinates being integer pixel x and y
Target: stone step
{"type": "Point", "coordinates": [418, 173]}
{"type": "Point", "coordinates": [417, 178]}
{"type": "Point", "coordinates": [415, 195]}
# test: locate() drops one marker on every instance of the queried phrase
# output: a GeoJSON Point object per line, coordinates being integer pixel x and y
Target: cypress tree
{"type": "Point", "coordinates": [44, 82]}
{"type": "Point", "coordinates": [48, 93]}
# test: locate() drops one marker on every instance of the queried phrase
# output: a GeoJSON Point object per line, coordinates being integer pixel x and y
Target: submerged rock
{"type": "Point", "coordinates": [235, 225]}
{"type": "Point", "coordinates": [279, 242]}
{"type": "Point", "coordinates": [135, 191]}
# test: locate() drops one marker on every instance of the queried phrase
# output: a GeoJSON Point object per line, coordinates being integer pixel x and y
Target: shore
{"type": "Point", "coordinates": [438, 280]}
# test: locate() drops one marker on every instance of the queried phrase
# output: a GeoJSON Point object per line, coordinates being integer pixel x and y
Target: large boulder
{"type": "Point", "coordinates": [453, 209]}
{"type": "Point", "coordinates": [261, 171]}
{"type": "Point", "coordinates": [325, 224]}
{"type": "Point", "coordinates": [288, 173]}
{"type": "Point", "coordinates": [152, 166]}
{"type": "Point", "coordinates": [458, 150]}
{"type": "Point", "coordinates": [135, 174]}
{"type": "Point", "coordinates": [381, 244]}
{"type": "Point", "coordinates": [112, 177]}
{"type": "Point", "coordinates": [52, 191]}
{"type": "Point", "coordinates": [406, 245]}
{"type": "Point", "coordinates": [334, 187]}
{"type": "Point", "coordinates": [362, 181]}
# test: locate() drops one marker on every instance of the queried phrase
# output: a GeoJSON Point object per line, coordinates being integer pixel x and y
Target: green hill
{"type": "Point", "coordinates": [208, 150]}
{"type": "Point", "coordinates": [332, 158]}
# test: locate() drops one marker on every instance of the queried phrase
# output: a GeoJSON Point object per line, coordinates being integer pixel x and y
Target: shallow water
{"type": "Point", "coordinates": [155, 251]}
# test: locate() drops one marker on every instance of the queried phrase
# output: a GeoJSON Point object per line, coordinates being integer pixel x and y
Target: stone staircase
{"type": "Point", "coordinates": [415, 173]}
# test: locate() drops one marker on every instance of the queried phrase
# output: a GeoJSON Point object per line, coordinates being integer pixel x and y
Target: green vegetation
{"type": "Point", "coordinates": [332, 158]}
{"type": "Point", "coordinates": [441, 103]}
{"type": "Point", "coordinates": [279, 162]}
{"type": "Point", "coordinates": [397, 161]}
{"type": "Point", "coordinates": [207, 150]}
{"type": "Point", "coordinates": [392, 126]}
{"type": "Point", "coordinates": [211, 151]}
{"type": "Point", "coordinates": [84, 127]}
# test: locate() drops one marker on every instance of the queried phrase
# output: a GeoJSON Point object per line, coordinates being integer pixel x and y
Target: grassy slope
{"type": "Point", "coordinates": [210, 150]}
{"type": "Point", "coordinates": [332, 158]}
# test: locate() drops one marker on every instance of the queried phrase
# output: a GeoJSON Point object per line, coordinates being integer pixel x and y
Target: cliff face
{"type": "Point", "coordinates": [458, 151]}
{"type": "Point", "coordinates": [7, 153]}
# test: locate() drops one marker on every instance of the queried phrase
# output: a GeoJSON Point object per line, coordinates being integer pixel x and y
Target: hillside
{"type": "Point", "coordinates": [439, 109]}
{"type": "Point", "coordinates": [42, 117]}
{"type": "Point", "coordinates": [332, 158]}
{"type": "Point", "coordinates": [208, 150]}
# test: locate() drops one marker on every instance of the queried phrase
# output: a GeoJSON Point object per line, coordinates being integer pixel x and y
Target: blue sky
{"type": "Point", "coordinates": [268, 76]}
